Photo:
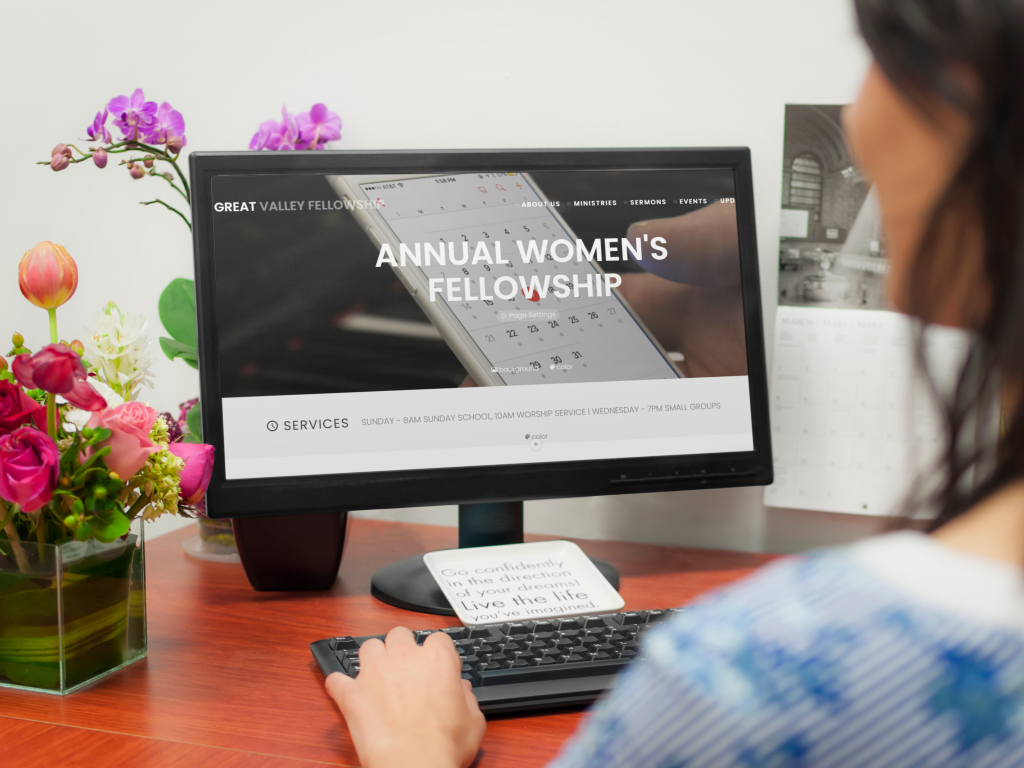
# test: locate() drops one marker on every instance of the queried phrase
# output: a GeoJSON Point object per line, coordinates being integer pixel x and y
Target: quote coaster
{"type": "Point", "coordinates": [521, 582]}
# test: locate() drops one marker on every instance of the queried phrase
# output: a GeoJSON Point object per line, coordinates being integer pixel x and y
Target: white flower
{"type": "Point", "coordinates": [117, 348]}
{"type": "Point", "coordinates": [76, 418]}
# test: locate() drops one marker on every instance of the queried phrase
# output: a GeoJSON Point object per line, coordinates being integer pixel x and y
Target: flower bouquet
{"type": "Point", "coordinates": [81, 459]}
{"type": "Point", "coordinates": [152, 137]}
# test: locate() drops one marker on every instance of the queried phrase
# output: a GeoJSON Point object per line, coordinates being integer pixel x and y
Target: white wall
{"type": "Point", "coordinates": [411, 75]}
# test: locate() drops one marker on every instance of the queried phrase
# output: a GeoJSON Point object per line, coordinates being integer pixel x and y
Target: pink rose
{"type": "Point", "coordinates": [195, 478]}
{"type": "Point", "coordinates": [130, 425]}
{"type": "Point", "coordinates": [29, 468]}
{"type": "Point", "coordinates": [17, 408]}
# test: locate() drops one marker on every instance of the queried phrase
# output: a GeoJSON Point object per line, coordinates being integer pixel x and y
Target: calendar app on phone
{"type": "Point", "coordinates": [588, 335]}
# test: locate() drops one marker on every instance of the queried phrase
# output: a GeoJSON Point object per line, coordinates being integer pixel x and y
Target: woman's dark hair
{"type": "Point", "coordinates": [968, 54]}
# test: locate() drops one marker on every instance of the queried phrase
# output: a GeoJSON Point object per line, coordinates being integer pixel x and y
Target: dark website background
{"type": "Point", "coordinates": [285, 282]}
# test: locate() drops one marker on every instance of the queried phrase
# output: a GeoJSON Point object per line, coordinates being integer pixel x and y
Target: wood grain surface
{"type": "Point", "coordinates": [229, 679]}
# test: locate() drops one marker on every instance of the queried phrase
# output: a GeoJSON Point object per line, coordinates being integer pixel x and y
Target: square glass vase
{"type": "Point", "coordinates": [71, 613]}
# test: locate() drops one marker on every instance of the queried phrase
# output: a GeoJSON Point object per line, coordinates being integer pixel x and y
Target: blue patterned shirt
{"type": "Point", "coordinates": [898, 651]}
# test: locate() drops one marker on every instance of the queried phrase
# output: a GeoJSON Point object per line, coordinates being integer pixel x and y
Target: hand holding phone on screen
{"type": "Point", "coordinates": [531, 333]}
{"type": "Point", "coordinates": [692, 301]}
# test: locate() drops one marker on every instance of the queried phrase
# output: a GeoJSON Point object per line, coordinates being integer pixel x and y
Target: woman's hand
{"type": "Point", "coordinates": [410, 705]}
{"type": "Point", "coordinates": [691, 300]}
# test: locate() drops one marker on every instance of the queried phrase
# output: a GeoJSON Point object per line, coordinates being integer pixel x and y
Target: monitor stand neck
{"type": "Point", "coordinates": [490, 523]}
{"type": "Point", "coordinates": [408, 584]}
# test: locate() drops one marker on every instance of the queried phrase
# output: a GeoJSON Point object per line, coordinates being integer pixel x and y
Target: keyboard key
{"type": "Point", "coordinates": [564, 624]}
{"type": "Point", "coordinates": [581, 649]}
{"type": "Point", "coordinates": [541, 626]}
{"type": "Point", "coordinates": [515, 629]}
{"type": "Point", "coordinates": [343, 644]}
{"type": "Point", "coordinates": [629, 618]}
{"type": "Point", "coordinates": [593, 621]}
{"type": "Point", "coordinates": [527, 674]}
{"type": "Point", "coordinates": [467, 668]}
{"type": "Point", "coordinates": [421, 635]}
{"type": "Point", "coordinates": [603, 647]}
{"type": "Point", "coordinates": [478, 632]}
{"type": "Point", "coordinates": [650, 617]}
{"type": "Point", "coordinates": [512, 664]}
{"type": "Point", "coordinates": [542, 661]}
{"type": "Point", "coordinates": [570, 658]}
{"type": "Point", "coordinates": [455, 633]}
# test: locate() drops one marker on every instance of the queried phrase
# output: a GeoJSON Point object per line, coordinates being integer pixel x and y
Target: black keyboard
{"type": "Point", "coordinates": [529, 665]}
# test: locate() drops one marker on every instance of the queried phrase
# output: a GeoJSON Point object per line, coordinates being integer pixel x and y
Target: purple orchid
{"type": "Point", "coordinates": [318, 126]}
{"type": "Point", "coordinates": [168, 124]}
{"type": "Point", "coordinates": [98, 131]}
{"type": "Point", "coordinates": [275, 135]}
{"type": "Point", "coordinates": [133, 115]}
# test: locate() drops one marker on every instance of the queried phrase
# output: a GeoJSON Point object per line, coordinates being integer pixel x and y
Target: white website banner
{"type": "Point", "coordinates": [342, 433]}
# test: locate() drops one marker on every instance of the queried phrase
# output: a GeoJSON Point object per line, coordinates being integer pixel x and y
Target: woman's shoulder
{"type": "Point", "coordinates": [810, 625]}
{"type": "Point", "coordinates": [896, 651]}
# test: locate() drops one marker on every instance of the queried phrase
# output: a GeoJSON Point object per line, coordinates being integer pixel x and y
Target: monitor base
{"type": "Point", "coordinates": [408, 584]}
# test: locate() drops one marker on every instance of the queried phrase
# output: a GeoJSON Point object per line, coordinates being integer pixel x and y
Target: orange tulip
{"type": "Point", "coordinates": [47, 275]}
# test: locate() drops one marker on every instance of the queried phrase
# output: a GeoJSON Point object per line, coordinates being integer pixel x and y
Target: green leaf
{"type": "Point", "coordinates": [175, 349]}
{"type": "Point", "coordinates": [177, 309]}
{"type": "Point", "coordinates": [109, 524]}
{"type": "Point", "coordinates": [194, 421]}
{"type": "Point", "coordinates": [191, 439]}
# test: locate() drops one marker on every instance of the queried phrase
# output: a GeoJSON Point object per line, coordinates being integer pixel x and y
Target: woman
{"type": "Point", "coordinates": [906, 649]}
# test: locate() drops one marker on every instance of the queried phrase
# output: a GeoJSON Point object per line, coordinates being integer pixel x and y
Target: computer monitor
{"type": "Point", "coordinates": [411, 328]}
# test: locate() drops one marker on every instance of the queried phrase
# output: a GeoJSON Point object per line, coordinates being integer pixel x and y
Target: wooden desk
{"type": "Point", "coordinates": [229, 680]}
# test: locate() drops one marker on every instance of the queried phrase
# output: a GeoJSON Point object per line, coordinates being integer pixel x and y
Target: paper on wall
{"type": "Point", "coordinates": [852, 425]}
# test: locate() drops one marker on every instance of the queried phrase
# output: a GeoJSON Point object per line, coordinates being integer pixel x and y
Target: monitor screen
{"type": "Point", "coordinates": [405, 328]}
{"type": "Point", "coordinates": [409, 321]}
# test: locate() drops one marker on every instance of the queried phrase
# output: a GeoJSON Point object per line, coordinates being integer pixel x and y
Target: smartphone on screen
{"type": "Point", "coordinates": [526, 337]}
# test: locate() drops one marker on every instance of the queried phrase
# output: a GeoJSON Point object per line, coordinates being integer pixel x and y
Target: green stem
{"type": "Point", "coordinates": [40, 531]}
{"type": "Point", "coordinates": [53, 324]}
{"type": "Point", "coordinates": [99, 454]}
{"type": "Point", "coordinates": [51, 415]}
{"type": "Point", "coordinates": [15, 540]}
{"type": "Point", "coordinates": [169, 158]}
{"type": "Point", "coordinates": [6, 515]}
{"type": "Point", "coordinates": [170, 208]}
{"type": "Point", "coordinates": [133, 145]}
{"type": "Point", "coordinates": [138, 506]}
{"type": "Point", "coordinates": [177, 189]}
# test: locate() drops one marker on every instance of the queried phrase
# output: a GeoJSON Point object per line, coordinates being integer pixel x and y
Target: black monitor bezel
{"type": "Point", "coordinates": [283, 495]}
